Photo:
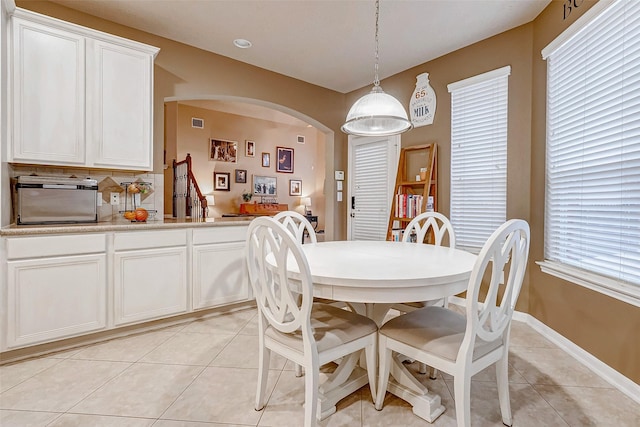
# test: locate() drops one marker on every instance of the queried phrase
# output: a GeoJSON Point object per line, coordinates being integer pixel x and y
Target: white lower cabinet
{"type": "Point", "coordinates": [52, 294]}
{"type": "Point", "coordinates": [66, 285]}
{"type": "Point", "coordinates": [219, 266]}
{"type": "Point", "coordinates": [149, 283]}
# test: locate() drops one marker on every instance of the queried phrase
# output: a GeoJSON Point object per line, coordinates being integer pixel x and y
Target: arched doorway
{"type": "Point", "coordinates": [267, 125]}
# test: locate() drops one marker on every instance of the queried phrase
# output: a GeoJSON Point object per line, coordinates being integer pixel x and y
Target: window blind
{"type": "Point", "coordinates": [479, 157]}
{"type": "Point", "coordinates": [592, 211]}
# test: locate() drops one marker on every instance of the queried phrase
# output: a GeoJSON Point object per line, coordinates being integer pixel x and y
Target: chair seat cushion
{"type": "Point", "coordinates": [331, 327]}
{"type": "Point", "coordinates": [435, 330]}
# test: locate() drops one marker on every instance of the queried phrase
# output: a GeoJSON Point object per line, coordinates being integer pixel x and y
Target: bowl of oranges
{"type": "Point", "coordinates": [137, 215]}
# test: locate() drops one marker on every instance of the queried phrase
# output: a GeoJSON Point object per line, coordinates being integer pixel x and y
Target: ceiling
{"type": "Point", "coordinates": [329, 43]}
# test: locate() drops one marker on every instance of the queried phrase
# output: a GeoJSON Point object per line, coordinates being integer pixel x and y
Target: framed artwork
{"type": "Point", "coordinates": [265, 185]}
{"type": "Point", "coordinates": [223, 151]}
{"type": "Point", "coordinates": [250, 149]}
{"type": "Point", "coordinates": [266, 160]}
{"type": "Point", "coordinates": [284, 162]}
{"type": "Point", "coordinates": [295, 187]}
{"type": "Point", "coordinates": [241, 176]}
{"type": "Point", "coordinates": [221, 181]}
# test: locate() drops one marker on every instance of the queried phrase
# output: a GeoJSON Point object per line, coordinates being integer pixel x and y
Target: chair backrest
{"type": "Point", "coordinates": [421, 224]}
{"type": "Point", "coordinates": [297, 225]}
{"type": "Point", "coordinates": [272, 254]}
{"type": "Point", "coordinates": [503, 257]}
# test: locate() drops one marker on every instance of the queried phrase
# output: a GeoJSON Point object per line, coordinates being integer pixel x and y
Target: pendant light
{"type": "Point", "coordinates": [377, 113]}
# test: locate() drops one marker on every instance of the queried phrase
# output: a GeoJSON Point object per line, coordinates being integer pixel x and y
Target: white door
{"type": "Point", "coordinates": [373, 162]}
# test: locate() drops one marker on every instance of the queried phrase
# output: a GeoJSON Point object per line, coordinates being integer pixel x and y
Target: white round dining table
{"type": "Point", "coordinates": [378, 274]}
{"type": "Point", "coordinates": [386, 272]}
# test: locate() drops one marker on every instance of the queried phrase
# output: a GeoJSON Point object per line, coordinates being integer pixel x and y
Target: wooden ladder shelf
{"type": "Point", "coordinates": [419, 161]}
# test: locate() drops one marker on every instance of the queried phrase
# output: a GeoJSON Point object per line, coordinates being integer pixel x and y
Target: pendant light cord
{"type": "Point", "coordinates": [376, 80]}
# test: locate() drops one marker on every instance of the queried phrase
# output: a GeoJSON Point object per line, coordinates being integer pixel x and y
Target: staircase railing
{"type": "Point", "coordinates": [188, 201]}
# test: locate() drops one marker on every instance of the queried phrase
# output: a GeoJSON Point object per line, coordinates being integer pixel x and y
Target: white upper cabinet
{"type": "Point", "coordinates": [80, 97]}
{"type": "Point", "coordinates": [48, 94]}
{"type": "Point", "coordinates": [120, 129]}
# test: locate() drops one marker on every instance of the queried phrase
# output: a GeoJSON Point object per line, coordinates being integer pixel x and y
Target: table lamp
{"type": "Point", "coordinates": [306, 201]}
{"type": "Point", "coordinates": [211, 201]}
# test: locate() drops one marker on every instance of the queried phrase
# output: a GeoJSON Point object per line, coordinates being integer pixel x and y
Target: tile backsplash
{"type": "Point", "coordinates": [109, 181]}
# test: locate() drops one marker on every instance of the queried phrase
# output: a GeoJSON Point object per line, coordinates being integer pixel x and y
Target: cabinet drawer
{"type": "Point", "coordinates": [47, 246]}
{"type": "Point", "coordinates": [220, 234]}
{"type": "Point", "coordinates": [149, 239]}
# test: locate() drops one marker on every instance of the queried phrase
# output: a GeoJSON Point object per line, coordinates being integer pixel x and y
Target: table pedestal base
{"type": "Point", "coordinates": [328, 399]}
{"type": "Point", "coordinates": [427, 406]}
{"type": "Point", "coordinates": [349, 377]}
{"type": "Point", "coordinates": [403, 384]}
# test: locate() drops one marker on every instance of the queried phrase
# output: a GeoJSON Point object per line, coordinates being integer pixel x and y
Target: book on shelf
{"type": "Point", "coordinates": [396, 235]}
{"type": "Point", "coordinates": [429, 204]}
{"type": "Point", "coordinates": [409, 205]}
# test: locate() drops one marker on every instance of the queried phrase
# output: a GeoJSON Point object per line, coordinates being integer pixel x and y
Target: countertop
{"type": "Point", "coordinates": [121, 225]}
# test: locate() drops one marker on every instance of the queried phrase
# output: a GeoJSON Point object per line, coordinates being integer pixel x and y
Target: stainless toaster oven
{"type": "Point", "coordinates": [54, 200]}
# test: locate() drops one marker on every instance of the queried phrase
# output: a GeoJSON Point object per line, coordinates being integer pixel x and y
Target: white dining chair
{"type": "Point", "coordinates": [307, 333]}
{"type": "Point", "coordinates": [427, 225]}
{"type": "Point", "coordinates": [431, 228]}
{"type": "Point", "coordinates": [463, 346]}
{"type": "Point", "coordinates": [298, 226]}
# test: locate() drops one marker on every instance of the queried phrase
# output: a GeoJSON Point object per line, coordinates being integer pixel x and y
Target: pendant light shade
{"type": "Point", "coordinates": [377, 113]}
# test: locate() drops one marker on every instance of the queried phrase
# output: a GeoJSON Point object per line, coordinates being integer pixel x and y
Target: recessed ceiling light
{"type": "Point", "coordinates": [242, 43]}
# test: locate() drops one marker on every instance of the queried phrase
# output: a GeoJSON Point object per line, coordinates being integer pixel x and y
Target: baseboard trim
{"type": "Point", "coordinates": [604, 371]}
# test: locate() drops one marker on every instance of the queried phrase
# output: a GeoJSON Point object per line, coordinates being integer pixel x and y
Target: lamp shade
{"type": "Point", "coordinates": [306, 201]}
{"type": "Point", "coordinates": [377, 114]}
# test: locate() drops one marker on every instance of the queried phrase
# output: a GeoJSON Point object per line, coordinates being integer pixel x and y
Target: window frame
{"type": "Point", "coordinates": [629, 293]}
{"type": "Point", "coordinates": [495, 141]}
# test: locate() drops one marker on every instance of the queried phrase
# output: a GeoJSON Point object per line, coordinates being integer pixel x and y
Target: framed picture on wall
{"type": "Point", "coordinates": [241, 176]}
{"type": "Point", "coordinates": [295, 187]}
{"type": "Point", "coordinates": [223, 151]}
{"type": "Point", "coordinates": [284, 162]}
{"type": "Point", "coordinates": [250, 149]}
{"type": "Point", "coordinates": [221, 181]}
{"type": "Point", "coordinates": [265, 185]}
{"type": "Point", "coordinates": [266, 160]}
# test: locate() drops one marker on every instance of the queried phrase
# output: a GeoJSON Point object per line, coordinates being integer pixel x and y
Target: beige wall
{"type": "Point", "coordinates": [601, 325]}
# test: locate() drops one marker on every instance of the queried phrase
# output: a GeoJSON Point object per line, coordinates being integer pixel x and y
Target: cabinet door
{"type": "Point", "coordinates": [53, 298]}
{"type": "Point", "coordinates": [219, 274]}
{"type": "Point", "coordinates": [48, 95]}
{"type": "Point", "coordinates": [149, 284]}
{"type": "Point", "coordinates": [120, 101]}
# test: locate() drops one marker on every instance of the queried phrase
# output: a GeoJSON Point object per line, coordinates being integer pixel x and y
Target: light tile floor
{"type": "Point", "coordinates": [204, 373]}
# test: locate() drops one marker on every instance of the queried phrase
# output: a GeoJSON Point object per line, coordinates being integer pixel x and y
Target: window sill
{"type": "Point", "coordinates": [607, 286]}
